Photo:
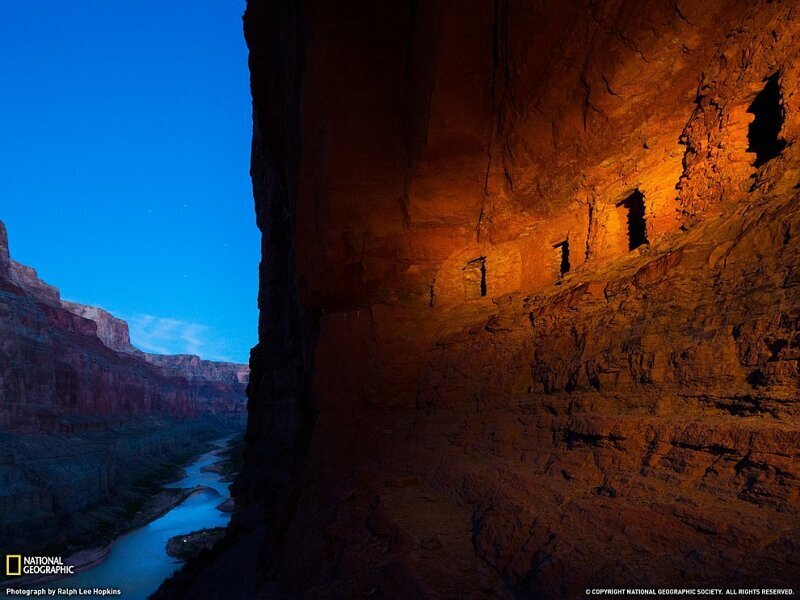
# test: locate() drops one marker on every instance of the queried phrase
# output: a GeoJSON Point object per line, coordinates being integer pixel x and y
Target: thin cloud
{"type": "Point", "coordinates": [161, 335]}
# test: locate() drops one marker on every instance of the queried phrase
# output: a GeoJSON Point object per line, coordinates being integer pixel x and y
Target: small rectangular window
{"type": "Point", "coordinates": [562, 257]}
{"type": "Point", "coordinates": [475, 278]}
{"type": "Point", "coordinates": [637, 226]}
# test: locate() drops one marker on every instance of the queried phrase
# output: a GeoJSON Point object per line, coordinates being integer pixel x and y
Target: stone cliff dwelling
{"type": "Point", "coordinates": [517, 438]}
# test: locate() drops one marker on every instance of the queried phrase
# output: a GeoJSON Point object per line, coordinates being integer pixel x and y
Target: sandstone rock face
{"type": "Point", "coordinates": [221, 387]}
{"type": "Point", "coordinates": [113, 332]}
{"type": "Point", "coordinates": [442, 403]}
{"type": "Point", "coordinates": [66, 367]}
{"type": "Point", "coordinates": [194, 368]}
{"type": "Point", "coordinates": [26, 278]}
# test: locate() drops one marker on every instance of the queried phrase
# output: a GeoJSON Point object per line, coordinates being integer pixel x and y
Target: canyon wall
{"type": "Point", "coordinates": [66, 367]}
{"type": "Point", "coordinates": [194, 368]}
{"type": "Point", "coordinates": [529, 300]}
{"type": "Point", "coordinates": [113, 332]}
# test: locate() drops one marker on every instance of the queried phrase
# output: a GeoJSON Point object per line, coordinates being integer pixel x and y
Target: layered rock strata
{"type": "Point", "coordinates": [529, 300]}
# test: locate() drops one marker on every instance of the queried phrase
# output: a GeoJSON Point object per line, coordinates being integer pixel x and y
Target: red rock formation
{"type": "Point", "coordinates": [113, 332]}
{"type": "Point", "coordinates": [65, 367]}
{"type": "Point", "coordinates": [26, 278]}
{"type": "Point", "coordinates": [194, 368]}
{"type": "Point", "coordinates": [438, 407]}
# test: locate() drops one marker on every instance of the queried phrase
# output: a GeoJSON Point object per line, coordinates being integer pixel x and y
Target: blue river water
{"type": "Point", "coordinates": [138, 562]}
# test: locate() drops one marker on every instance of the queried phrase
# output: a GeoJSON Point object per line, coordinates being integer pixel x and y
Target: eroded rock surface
{"type": "Point", "coordinates": [442, 403]}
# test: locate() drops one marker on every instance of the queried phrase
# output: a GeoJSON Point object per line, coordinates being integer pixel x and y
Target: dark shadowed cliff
{"type": "Point", "coordinates": [530, 303]}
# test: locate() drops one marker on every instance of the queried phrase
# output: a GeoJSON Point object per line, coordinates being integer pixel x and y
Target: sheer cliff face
{"type": "Point", "coordinates": [113, 332]}
{"type": "Point", "coordinates": [529, 301]}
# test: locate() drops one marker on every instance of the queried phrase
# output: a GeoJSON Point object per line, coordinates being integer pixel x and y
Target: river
{"type": "Point", "coordinates": [138, 562]}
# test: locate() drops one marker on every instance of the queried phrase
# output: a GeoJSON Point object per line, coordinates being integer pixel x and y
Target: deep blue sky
{"type": "Point", "coordinates": [124, 156]}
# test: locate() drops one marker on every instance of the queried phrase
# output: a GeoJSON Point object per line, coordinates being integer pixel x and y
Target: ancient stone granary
{"type": "Point", "coordinates": [444, 404]}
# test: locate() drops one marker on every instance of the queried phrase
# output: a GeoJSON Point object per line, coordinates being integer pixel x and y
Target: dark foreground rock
{"type": "Point", "coordinates": [189, 545]}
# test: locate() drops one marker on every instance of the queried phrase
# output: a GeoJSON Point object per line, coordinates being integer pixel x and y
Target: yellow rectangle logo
{"type": "Point", "coordinates": [13, 564]}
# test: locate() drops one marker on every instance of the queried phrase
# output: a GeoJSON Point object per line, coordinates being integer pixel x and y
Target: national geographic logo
{"type": "Point", "coordinates": [13, 565]}
{"type": "Point", "coordinates": [16, 565]}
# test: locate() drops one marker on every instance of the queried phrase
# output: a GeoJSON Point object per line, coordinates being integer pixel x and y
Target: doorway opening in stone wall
{"type": "Point", "coordinates": [562, 257]}
{"type": "Point", "coordinates": [763, 133]}
{"type": "Point", "coordinates": [475, 278]}
{"type": "Point", "coordinates": [634, 207]}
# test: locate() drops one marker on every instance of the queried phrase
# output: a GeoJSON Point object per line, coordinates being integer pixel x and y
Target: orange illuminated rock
{"type": "Point", "coordinates": [529, 307]}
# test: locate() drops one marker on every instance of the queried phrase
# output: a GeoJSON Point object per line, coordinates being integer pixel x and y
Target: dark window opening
{"type": "Point", "coordinates": [763, 132]}
{"type": "Point", "coordinates": [475, 278]}
{"type": "Point", "coordinates": [563, 257]}
{"type": "Point", "coordinates": [637, 226]}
